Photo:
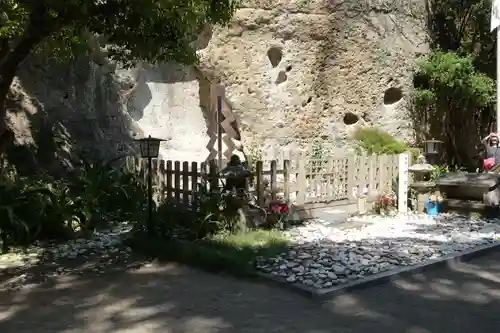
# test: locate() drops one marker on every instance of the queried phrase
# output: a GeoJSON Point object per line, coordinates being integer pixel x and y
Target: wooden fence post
{"type": "Point", "coordinates": [404, 161]}
{"type": "Point", "coordinates": [258, 183]}
{"type": "Point", "coordinates": [273, 180]}
{"type": "Point", "coordinates": [185, 184]}
{"type": "Point", "coordinates": [177, 181]}
{"type": "Point", "coordinates": [301, 181]}
{"type": "Point", "coordinates": [286, 179]}
{"type": "Point", "coordinates": [194, 185]}
{"type": "Point", "coordinates": [161, 181]}
{"type": "Point", "coordinates": [213, 175]}
{"type": "Point", "coordinates": [168, 174]}
{"type": "Point", "coordinates": [352, 168]}
{"type": "Point", "coordinates": [383, 164]}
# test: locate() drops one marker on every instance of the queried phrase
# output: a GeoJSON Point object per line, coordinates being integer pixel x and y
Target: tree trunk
{"type": "Point", "coordinates": [9, 66]}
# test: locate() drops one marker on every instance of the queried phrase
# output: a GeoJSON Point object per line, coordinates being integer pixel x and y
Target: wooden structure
{"type": "Point", "coordinates": [307, 183]}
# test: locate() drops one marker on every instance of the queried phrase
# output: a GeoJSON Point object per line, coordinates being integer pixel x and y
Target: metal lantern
{"type": "Point", "coordinates": [433, 146]}
{"type": "Point", "coordinates": [150, 147]}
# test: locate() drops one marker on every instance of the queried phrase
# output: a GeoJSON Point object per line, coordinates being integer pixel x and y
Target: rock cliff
{"type": "Point", "coordinates": [293, 71]}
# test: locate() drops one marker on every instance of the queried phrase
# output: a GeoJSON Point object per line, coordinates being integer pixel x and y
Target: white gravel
{"type": "Point", "coordinates": [99, 253]}
{"type": "Point", "coordinates": [107, 241]}
{"type": "Point", "coordinates": [322, 256]}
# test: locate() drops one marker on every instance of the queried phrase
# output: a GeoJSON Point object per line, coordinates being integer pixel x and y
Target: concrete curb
{"type": "Point", "coordinates": [381, 278]}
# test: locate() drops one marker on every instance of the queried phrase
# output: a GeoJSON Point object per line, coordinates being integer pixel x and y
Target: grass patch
{"type": "Point", "coordinates": [230, 253]}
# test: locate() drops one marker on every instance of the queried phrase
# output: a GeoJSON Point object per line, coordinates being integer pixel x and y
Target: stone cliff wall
{"type": "Point", "coordinates": [294, 71]}
{"type": "Point", "coordinates": [311, 69]}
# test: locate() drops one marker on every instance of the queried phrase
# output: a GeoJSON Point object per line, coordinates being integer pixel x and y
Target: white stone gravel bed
{"type": "Point", "coordinates": [322, 256]}
{"type": "Point", "coordinates": [103, 248]}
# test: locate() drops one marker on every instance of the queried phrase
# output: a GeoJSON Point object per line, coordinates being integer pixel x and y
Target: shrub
{"type": "Point", "coordinates": [208, 235]}
{"type": "Point", "coordinates": [455, 102]}
{"type": "Point", "coordinates": [372, 140]}
{"type": "Point", "coordinates": [92, 196]}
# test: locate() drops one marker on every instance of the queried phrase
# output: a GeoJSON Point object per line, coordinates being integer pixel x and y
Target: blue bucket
{"type": "Point", "coordinates": [432, 208]}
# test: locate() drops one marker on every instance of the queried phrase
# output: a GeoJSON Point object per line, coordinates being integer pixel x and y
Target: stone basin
{"type": "Point", "coordinates": [469, 179]}
{"type": "Point", "coordinates": [470, 186]}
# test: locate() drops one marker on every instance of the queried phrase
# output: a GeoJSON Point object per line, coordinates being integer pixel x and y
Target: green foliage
{"type": "Point", "coordinates": [454, 94]}
{"type": "Point", "coordinates": [372, 140]}
{"type": "Point", "coordinates": [441, 169]}
{"type": "Point", "coordinates": [236, 254]}
{"type": "Point", "coordinates": [207, 235]}
{"type": "Point", "coordinates": [142, 30]}
{"type": "Point", "coordinates": [94, 196]}
{"type": "Point", "coordinates": [464, 28]}
{"type": "Point", "coordinates": [215, 212]}
{"type": "Point", "coordinates": [449, 75]}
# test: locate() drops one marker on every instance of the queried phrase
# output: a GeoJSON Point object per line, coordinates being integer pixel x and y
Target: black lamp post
{"type": "Point", "coordinates": [433, 149]}
{"type": "Point", "coordinates": [150, 148]}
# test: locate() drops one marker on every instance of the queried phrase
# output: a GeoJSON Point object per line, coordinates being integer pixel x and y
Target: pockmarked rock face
{"type": "Point", "coordinates": [293, 71]}
{"type": "Point", "coordinates": [299, 69]}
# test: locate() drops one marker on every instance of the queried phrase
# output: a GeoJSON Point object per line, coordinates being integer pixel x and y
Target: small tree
{"type": "Point", "coordinates": [454, 87]}
{"type": "Point", "coordinates": [135, 30]}
{"type": "Point", "coordinates": [453, 102]}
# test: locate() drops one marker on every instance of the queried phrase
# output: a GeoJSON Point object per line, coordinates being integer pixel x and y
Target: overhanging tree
{"type": "Point", "coordinates": [135, 30]}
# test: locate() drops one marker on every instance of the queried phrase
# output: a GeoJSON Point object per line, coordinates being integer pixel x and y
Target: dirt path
{"type": "Point", "coordinates": [172, 299]}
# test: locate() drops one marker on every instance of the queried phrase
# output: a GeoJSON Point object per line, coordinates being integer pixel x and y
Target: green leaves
{"type": "Point", "coordinates": [141, 30]}
{"type": "Point", "coordinates": [450, 75]}
{"type": "Point", "coordinates": [372, 140]}
{"type": "Point", "coordinates": [95, 196]}
{"type": "Point", "coordinates": [454, 96]}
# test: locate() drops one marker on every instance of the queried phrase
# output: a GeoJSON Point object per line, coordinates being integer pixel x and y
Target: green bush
{"type": "Point", "coordinates": [372, 140]}
{"type": "Point", "coordinates": [212, 213]}
{"type": "Point", "coordinates": [236, 254]}
{"type": "Point", "coordinates": [208, 236]}
{"type": "Point", "coordinates": [90, 197]}
{"type": "Point", "coordinates": [455, 102]}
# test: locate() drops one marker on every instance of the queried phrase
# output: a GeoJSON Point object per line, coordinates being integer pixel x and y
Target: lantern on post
{"type": "Point", "coordinates": [150, 148]}
{"type": "Point", "coordinates": [432, 151]}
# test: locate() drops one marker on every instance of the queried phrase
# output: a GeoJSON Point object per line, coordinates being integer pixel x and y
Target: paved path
{"type": "Point", "coordinates": [171, 299]}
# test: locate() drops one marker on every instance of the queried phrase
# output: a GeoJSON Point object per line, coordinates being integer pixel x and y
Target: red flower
{"type": "Point", "coordinates": [278, 207]}
{"type": "Point", "coordinates": [385, 200]}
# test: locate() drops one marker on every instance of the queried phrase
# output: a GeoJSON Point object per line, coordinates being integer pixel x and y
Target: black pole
{"type": "Point", "coordinates": [150, 199]}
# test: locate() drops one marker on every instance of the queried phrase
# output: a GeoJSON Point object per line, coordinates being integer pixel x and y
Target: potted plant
{"type": "Point", "coordinates": [384, 204]}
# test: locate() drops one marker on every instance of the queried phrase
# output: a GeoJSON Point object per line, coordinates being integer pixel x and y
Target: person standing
{"type": "Point", "coordinates": [491, 145]}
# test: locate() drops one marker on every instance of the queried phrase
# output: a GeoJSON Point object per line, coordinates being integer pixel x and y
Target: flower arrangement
{"type": "Point", "coordinates": [277, 212]}
{"type": "Point", "coordinates": [384, 203]}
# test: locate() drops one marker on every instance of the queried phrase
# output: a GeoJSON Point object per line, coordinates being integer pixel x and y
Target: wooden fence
{"type": "Point", "coordinates": [301, 181]}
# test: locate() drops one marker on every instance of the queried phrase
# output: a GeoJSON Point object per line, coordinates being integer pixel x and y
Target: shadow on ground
{"type": "Point", "coordinates": [170, 298]}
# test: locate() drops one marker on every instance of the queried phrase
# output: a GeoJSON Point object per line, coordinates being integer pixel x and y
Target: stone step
{"type": "Point", "coordinates": [332, 216]}
{"type": "Point", "coordinates": [464, 204]}
{"type": "Point", "coordinates": [469, 207]}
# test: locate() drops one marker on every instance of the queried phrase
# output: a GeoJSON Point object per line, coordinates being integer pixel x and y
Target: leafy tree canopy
{"type": "Point", "coordinates": [135, 30]}
{"type": "Point", "coordinates": [447, 75]}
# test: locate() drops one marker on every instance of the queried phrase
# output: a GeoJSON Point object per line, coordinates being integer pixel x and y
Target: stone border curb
{"type": "Point", "coordinates": [381, 278]}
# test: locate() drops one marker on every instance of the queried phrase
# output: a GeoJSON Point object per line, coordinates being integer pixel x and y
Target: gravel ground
{"type": "Point", "coordinates": [323, 256]}
{"type": "Point", "coordinates": [101, 253]}
{"type": "Point", "coordinates": [320, 256]}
